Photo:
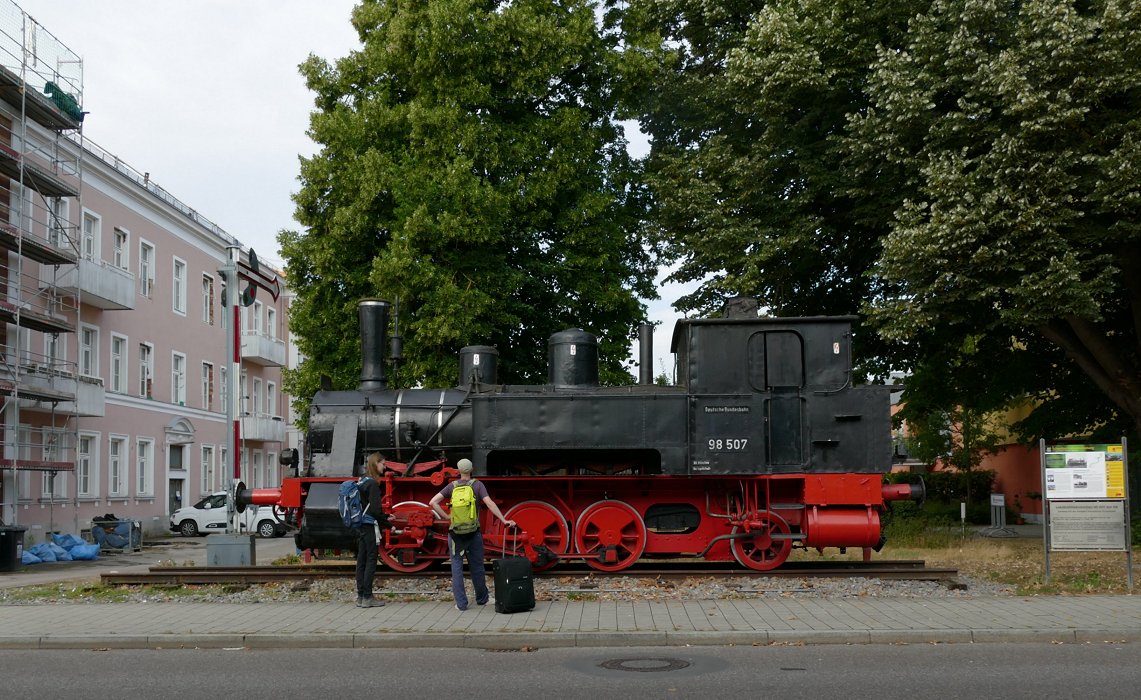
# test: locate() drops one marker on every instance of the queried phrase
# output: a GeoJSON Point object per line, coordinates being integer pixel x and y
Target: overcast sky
{"type": "Point", "coordinates": [205, 96]}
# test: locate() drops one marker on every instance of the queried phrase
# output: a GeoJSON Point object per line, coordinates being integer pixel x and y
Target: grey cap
{"type": "Point", "coordinates": [464, 465]}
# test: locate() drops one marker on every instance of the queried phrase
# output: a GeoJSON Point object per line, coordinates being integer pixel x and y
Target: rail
{"type": "Point", "coordinates": [910, 570]}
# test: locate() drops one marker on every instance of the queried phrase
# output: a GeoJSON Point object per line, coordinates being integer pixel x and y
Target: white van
{"type": "Point", "coordinates": [209, 515]}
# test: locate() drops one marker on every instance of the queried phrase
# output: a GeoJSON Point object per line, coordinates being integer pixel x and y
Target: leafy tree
{"type": "Point", "coordinates": [949, 421]}
{"type": "Point", "coordinates": [1013, 132]}
{"type": "Point", "coordinates": [965, 168]}
{"type": "Point", "coordinates": [747, 103]}
{"type": "Point", "coordinates": [470, 167]}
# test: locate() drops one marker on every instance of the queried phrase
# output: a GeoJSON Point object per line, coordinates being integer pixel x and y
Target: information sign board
{"type": "Point", "coordinates": [1087, 500]}
{"type": "Point", "coordinates": [1085, 471]}
{"type": "Point", "coordinates": [1086, 525]}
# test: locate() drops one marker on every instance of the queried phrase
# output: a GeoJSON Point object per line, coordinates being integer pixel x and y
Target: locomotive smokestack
{"type": "Point", "coordinates": [646, 354]}
{"type": "Point", "coordinates": [373, 316]}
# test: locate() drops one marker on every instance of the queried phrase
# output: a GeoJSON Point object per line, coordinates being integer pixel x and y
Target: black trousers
{"type": "Point", "coordinates": [366, 560]}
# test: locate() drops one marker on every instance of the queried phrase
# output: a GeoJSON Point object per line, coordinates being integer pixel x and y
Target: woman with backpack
{"type": "Point", "coordinates": [463, 535]}
{"type": "Point", "coordinates": [368, 536]}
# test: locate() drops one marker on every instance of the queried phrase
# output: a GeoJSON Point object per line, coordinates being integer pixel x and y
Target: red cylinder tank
{"type": "Point", "coordinates": [842, 527]}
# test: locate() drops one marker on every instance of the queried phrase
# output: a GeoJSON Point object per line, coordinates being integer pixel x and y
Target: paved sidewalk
{"type": "Point", "coordinates": [760, 620]}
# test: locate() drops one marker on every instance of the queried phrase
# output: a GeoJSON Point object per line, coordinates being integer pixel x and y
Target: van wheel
{"type": "Point", "coordinates": [188, 528]}
{"type": "Point", "coordinates": [266, 528]}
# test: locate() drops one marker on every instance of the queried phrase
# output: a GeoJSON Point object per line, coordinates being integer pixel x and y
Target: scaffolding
{"type": "Point", "coordinates": [42, 247]}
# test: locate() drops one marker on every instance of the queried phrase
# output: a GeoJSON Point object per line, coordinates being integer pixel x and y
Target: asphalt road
{"type": "Point", "coordinates": [903, 672]}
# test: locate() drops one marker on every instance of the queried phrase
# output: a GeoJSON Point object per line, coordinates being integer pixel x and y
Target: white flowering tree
{"type": "Point", "coordinates": [1013, 132]}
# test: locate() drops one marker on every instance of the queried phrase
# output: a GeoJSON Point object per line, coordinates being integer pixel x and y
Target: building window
{"type": "Point", "coordinates": [89, 352]}
{"type": "Point", "coordinates": [209, 478]}
{"type": "Point", "coordinates": [146, 369]}
{"type": "Point", "coordinates": [122, 250]}
{"type": "Point", "coordinates": [271, 467]}
{"type": "Point", "coordinates": [118, 364]}
{"type": "Point", "coordinates": [58, 222]}
{"type": "Point", "coordinates": [270, 399]}
{"type": "Point", "coordinates": [259, 478]}
{"type": "Point", "coordinates": [207, 385]}
{"type": "Point", "coordinates": [178, 378]}
{"type": "Point", "coordinates": [116, 474]}
{"type": "Point", "coordinates": [271, 323]}
{"type": "Point", "coordinates": [225, 388]}
{"type": "Point", "coordinates": [89, 244]}
{"type": "Point", "coordinates": [86, 478]}
{"type": "Point", "coordinates": [178, 290]}
{"type": "Point", "coordinates": [255, 402]}
{"type": "Point", "coordinates": [146, 268]}
{"type": "Point", "coordinates": [54, 485]}
{"type": "Point", "coordinates": [226, 310]}
{"type": "Point", "coordinates": [208, 299]}
{"type": "Point", "coordinates": [255, 317]}
{"type": "Point", "coordinates": [55, 352]}
{"type": "Point", "coordinates": [144, 466]}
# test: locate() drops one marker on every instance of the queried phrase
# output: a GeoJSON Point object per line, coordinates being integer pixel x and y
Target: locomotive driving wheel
{"type": "Point", "coordinates": [416, 546]}
{"type": "Point", "coordinates": [611, 534]}
{"type": "Point", "coordinates": [761, 551]}
{"type": "Point", "coordinates": [544, 524]}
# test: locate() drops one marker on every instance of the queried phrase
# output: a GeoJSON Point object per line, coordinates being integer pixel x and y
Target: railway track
{"type": "Point", "coordinates": [913, 570]}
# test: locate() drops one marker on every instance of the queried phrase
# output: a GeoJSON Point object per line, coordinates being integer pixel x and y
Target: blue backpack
{"type": "Point", "coordinates": [349, 504]}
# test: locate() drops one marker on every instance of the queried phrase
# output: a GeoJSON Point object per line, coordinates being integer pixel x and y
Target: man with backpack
{"type": "Point", "coordinates": [464, 537]}
{"type": "Point", "coordinates": [368, 533]}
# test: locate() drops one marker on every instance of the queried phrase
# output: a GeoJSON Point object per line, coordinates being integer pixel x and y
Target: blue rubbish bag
{"type": "Point", "coordinates": [28, 558]}
{"type": "Point", "coordinates": [60, 553]}
{"type": "Point", "coordinates": [117, 536]}
{"type": "Point", "coordinates": [43, 551]}
{"type": "Point", "coordinates": [67, 541]}
{"type": "Point", "coordinates": [84, 552]}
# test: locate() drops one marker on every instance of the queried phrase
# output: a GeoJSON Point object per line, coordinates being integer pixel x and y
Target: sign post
{"type": "Point", "coordinates": [235, 548]}
{"type": "Point", "coordinates": [229, 274]}
{"type": "Point", "coordinates": [1086, 503]}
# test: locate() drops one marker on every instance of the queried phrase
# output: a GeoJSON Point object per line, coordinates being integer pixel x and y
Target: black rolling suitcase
{"type": "Point", "coordinates": [514, 585]}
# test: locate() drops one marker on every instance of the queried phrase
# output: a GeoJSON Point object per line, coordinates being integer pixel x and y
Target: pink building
{"type": "Point", "coordinates": [113, 375]}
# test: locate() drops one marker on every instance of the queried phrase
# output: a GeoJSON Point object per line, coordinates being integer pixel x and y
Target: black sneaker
{"type": "Point", "coordinates": [371, 603]}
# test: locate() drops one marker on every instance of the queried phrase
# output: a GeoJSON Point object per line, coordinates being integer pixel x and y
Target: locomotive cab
{"type": "Point", "coordinates": [774, 395]}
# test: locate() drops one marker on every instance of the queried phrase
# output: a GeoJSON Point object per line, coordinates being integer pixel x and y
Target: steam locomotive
{"type": "Point", "coordinates": [763, 445]}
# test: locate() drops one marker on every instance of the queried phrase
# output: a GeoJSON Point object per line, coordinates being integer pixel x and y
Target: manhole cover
{"type": "Point", "coordinates": [644, 665]}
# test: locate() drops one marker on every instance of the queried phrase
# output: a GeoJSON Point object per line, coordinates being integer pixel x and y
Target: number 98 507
{"type": "Point", "coordinates": [728, 444]}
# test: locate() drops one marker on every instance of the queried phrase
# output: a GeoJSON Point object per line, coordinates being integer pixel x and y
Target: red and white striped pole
{"type": "Point", "coordinates": [229, 273]}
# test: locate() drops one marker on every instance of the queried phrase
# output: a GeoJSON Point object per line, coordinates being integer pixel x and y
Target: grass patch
{"type": "Point", "coordinates": [97, 593]}
{"type": "Point", "coordinates": [1016, 562]}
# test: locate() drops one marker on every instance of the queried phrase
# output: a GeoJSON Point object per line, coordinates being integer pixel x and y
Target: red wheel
{"type": "Point", "coordinates": [762, 551]}
{"type": "Point", "coordinates": [543, 523]}
{"type": "Point", "coordinates": [612, 534]}
{"type": "Point", "coordinates": [410, 544]}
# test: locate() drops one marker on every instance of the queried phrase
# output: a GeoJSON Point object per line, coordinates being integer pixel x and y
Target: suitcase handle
{"type": "Point", "coordinates": [514, 539]}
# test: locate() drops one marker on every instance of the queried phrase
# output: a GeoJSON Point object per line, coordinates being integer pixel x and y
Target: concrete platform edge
{"type": "Point", "coordinates": [539, 640]}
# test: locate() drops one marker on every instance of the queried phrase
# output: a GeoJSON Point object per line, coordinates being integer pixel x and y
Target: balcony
{"type": "Point", "coordinates": [263, 428]}
{"type": "Point", "coordinates": [94, 282]}
{"type": "Point", "coordinates": [43, 448]}
{"type": "Point", "coordinates": [34, 247]}
{"type": "Point", "coordinates": [54, 387]}
{"type": "Point", "coordinates": [260, 349]}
